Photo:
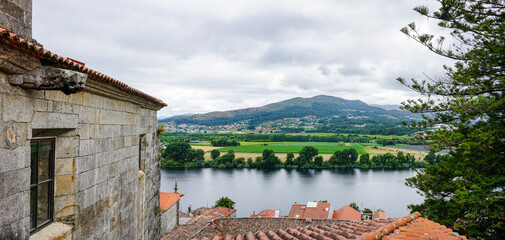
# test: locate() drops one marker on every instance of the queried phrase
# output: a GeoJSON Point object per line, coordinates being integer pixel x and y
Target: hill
{"type": "Point", "coordinates": [323, 113]}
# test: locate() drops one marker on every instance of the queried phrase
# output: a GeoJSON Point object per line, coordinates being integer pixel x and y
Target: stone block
{"type": "Point", "coordinates": [102, 174]}
{"type": "Point", "coordinates": [66, 147]}
{"type": "Point", "coordinates": [112, 117]}
{"type": "Point", "coordinates": [86, 163]}
{"type": "Point", "coordinates": [87, 179]}
{"type": "Point", "coordinates": [17, 108]}
{"type": "Point", "coordinates": [14, 159]}
{"type": "Point", "coordinates": [112, 131]}
{"type": "Point", "coordinates": [64, 185]}
{"type": "Point", "coordinates": [20, 131]}
{"type": "Point", "coordinates": [64, 166]}
{"type": "Point", "coordinates": [53, 231]}
{"type": "Point", "coordinates": [59, 96]}
{"type": "Point", "coordinates": [15, 181]}
{"type": "Point", "coordinates": [85, 215]}
{"type": "Point", "coordinates": [87, 147]}
{"type": "Point", "coordinates": [102, 205]}
{"type": "Point", "coordinates": [83, 131]}
{"type": "Point", "coordinates": [43, 120]}
{"type": "Point", "coordinates": [86, 114]}
{"type": "Point", "coordinates": [65, 206]}
{"type": "Point", "coordinates": [62, 107]}
{"type": "Point", "coordinates": [14, 208]}
{"type": "Point", "coordinates": [90, 196]}
{"type": "Point", "coordinates": [16, 230]}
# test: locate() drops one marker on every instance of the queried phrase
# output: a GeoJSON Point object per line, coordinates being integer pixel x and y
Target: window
{"type": "Point", "coordinates": [141, 151]}
{"type": "Point", "coordinates": [41, 183]}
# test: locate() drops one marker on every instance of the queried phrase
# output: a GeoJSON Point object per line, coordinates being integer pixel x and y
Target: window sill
{"type": "Point", "coordinates": [54, 230]}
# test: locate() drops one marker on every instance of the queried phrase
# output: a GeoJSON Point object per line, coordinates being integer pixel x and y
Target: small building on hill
{"type": "Point", "coordinates": [346, 213]}
{"type": "Point", "coordinates": [169, 206]}
{"type": "Point", "coordinates": [79, 150]}
{"type": "Point", "coordinates": [316, 210]}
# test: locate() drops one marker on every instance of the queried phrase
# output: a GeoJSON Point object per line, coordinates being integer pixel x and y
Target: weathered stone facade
{"type": "Point", "coordinates": [17, 14]}
{"type": "Point", "coordinates": [170, 218]}
{"type": "Point", "coordinates": [107, 152]}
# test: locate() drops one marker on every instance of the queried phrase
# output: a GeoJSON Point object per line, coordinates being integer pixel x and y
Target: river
{"type": "Point", "coordinates": [256, 190]}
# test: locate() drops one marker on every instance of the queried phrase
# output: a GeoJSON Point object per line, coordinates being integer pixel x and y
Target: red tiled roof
{"type": "Point", "coordinates": [297, 211]}
{"type": "Point", "coordinates": [265, 213]}
{"type": "Point", "coordinates": [346, 213]}
{"type": "Point", "coordinates": [34, 48]}
{"type": "Point", "coordinates": [169, 199]}
{"type": "Point", "coordinates": [410, 227]}
{"type": "Point", "coordinates": [321, 211]}
{"type": "Point", "coordinates": [221, 212]}
{"type": "Point", "coordinates": [378, 214]}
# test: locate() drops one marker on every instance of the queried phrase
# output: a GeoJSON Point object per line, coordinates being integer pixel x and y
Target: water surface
{"type": "Point", "coordinates": [256, 190]}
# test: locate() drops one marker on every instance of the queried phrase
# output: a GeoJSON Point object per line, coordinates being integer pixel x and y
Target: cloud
{"type": "Point", "coordinates": [201, 56]}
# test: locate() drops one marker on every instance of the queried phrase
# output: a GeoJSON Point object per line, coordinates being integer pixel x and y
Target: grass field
{"type": "Point", "coordinates": [294, 147]}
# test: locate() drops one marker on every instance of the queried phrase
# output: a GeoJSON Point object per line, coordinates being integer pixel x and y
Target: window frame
{"type": "Point", "coordinates": [34, 186]}
{"type": "Point", "coordinates": [142, 152]}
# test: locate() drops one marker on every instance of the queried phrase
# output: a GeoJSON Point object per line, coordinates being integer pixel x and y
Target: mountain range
{"type": "Point", "coordinates": [321, 106]}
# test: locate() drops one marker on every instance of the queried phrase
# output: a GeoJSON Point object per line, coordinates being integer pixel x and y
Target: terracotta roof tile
{"type": "Point", "coordinates": [169, 199]}
{"type": "Point", "coordinates": [264, 213]}
{"type": "Point", "coordinates": [410, 227]}
{"type": "Point", "coordinates": [221, 212]}
{"type": "Point", "coordinates": [346, 213]}
{"type": "Point", "coordinates": [34, 48]}
{"type": "Point", "coordinates": [321, 211]}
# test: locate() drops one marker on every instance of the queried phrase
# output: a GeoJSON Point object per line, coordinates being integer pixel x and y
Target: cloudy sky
{"type": "Point", "coordinates": [201, 56]}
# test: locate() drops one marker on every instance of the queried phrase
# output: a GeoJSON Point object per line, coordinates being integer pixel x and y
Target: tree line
{"type": "Point", "coordinates": [180, 154]}
{"type": "Point", "coordinates": [222, 139]}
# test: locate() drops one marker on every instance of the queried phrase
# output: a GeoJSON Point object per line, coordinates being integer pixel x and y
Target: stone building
{"type": "Point", "coordinates": [79, 150]}
{"type": "Point", "coordinates": [169, 204]}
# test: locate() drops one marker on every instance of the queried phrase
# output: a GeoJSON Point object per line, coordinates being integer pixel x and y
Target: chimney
{"type": "Point", "coordinates": [17, 15]}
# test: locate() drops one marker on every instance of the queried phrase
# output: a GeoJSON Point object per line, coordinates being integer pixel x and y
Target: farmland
{"type": "Point", "coordinates": [294, 147]}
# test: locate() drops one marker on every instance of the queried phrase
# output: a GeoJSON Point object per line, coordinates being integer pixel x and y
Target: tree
{"type": "Point", "coordinates": [214, 154]}
{"type": "Point", "coordinates": [318, 161]}
{"type": "Point", "coordinates": [355, 206]}
{"type": "Point", "coordinates": [289, 159]}
{"type": "Point", "coordinates": [224, 202]}
{"type": "Point", "coordinates": [364, 159]}
{"type": "Point", "coordinates": [177, 151]}
{"type": "Point", "coordinates": [269, 159]}
{"type": "Point", "coordinates": [308, 153]}
{"type": "Point", "coordinates": [466, 189]}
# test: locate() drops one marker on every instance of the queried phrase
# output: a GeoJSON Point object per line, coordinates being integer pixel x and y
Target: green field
{"type": "Point", "coordinates": [294, 147]}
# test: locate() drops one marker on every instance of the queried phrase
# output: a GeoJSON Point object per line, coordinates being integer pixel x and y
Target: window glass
{"type": "Point", "coordinates": [43, 203]}
{"type": "Point", "coordinates": [41, 183]}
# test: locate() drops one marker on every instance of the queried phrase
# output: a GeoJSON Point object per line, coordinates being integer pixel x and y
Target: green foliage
{"type": "Point", "coordinates": [364, 159]}
{"type": "Point", "coordinates": [224, 202]}
{"type": "Point", "coordinates": [214, 154]}
{"type": "Point", "coordinates": [355, 206]}
{"type": "Point", "coordinates": [223, 142]}
{"type": "Point", "coordinates": [289, 159]}
{"type": "Point", "coordinates": [367, 210]}
{"type": "Point", "coordinates": [307, 154]}
{"type": "Point", "coordinates": [270, 160]}
{"type": "Point", "coordinates": [465, 190]}
{"type": "Point", "coordinates": [180, 154]}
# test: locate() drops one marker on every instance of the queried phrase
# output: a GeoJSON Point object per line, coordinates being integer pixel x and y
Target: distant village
{"type": "Point", "coordinates": [305, 123]}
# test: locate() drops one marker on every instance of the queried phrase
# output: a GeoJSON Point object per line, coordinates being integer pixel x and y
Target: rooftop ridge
{"type": "Point", "coordinates": [34, 48]}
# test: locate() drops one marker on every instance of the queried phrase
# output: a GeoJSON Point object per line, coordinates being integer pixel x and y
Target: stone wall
{"type": "Point", "coordinates": [99, 190]}
{"type": "Point", "coordinates": [170, 218]}
{"type": "Point", "coordinates": [17, 14]}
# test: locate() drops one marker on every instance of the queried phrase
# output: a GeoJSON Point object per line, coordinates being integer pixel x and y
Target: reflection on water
{"type": "Point", "coordinates": [256, 190]}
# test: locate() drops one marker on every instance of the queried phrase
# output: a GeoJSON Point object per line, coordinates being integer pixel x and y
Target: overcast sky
{"type": "Point", "coordinates": [202, 56]}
